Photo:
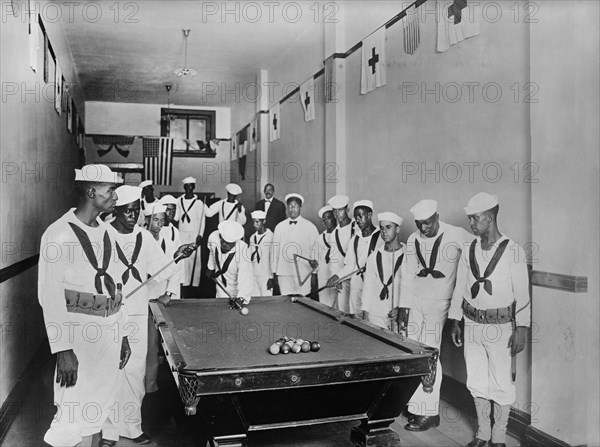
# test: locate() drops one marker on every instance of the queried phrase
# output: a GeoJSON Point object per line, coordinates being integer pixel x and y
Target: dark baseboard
{"type": "Point", "coordinates": [11, 406]}
{"type": "Point", "coordinates": [519, 422]}
{"type": "Point", "coordinates": [537, 438]}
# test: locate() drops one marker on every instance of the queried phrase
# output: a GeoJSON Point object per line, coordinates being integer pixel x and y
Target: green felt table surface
{"type": "Point", "coordinates": [212, 336]}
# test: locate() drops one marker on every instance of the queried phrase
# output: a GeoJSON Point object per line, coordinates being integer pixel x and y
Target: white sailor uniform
{"type": "Point", "coordinates": [77, 277]}
{"type": "Point", "coordinates": [261, 256]}
{"type": "Point", "coordinates": [431, 265]}
{"type": "Point", "coordinates": [291, 237]}
{"type": "Point", "coordinates": [191, 217]}
{"type": "Point", "coordinates": [381, 291]}
{"type": "Point", "coordinates": [359, 249]}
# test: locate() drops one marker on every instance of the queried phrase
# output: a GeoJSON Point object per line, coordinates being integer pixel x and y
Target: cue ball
{"type": "Point", "coordinates": [244, 311]}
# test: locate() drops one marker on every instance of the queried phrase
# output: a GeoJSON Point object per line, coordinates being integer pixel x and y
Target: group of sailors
{"type": "Point", "coordinates": [440, 272]}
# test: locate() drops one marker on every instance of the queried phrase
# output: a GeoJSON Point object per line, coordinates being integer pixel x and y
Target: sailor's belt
{"type": "Point", "coordinates": [500, 315]}
{"type": "Point", "coordinates": [92, 304]}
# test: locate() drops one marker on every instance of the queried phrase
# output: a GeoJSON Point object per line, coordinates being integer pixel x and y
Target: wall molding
{"type": "Point", "coordinates": [519, 422]}
{"type": "Point", "coordinates": [18, 267]}
{"type": "Point", "coordinates": [11, 406]}
{"type": "Point", "coordinates": [559, 281]}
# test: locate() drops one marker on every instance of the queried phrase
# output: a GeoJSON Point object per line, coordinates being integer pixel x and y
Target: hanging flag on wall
{"type": "Point", "coordinates": [457, 20]}
{"type": "Point", "coordinates": [412, 32]}
{"type": "Point", "coordinates": [252, 134]}
{"type": "Point", "coordinates": [373, 61]}
{"type": "Point", "coordinates": [307, 99]}
{"type": "Point", "coordinates": [158, 159]}
{"type": "Point", "coordinates": [274, 123]}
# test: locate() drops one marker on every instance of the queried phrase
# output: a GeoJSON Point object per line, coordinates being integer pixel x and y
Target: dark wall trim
{"type": "Point", "coordinates": [559, 281]}
{"type": "Point", "coordinates": [34, 369]}
{"type": "Point", "coordinates": [18, 267]}
{"type": "Point", "coordinates": [519, 422]}
{"type": "Point", "coordinates": [537, 438]}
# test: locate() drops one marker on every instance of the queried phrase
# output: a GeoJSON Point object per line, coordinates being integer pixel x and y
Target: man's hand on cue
{"type": "Point", "coordinates": [125, 353]}
{"type": "Point", "coordinates": [185, 251]}
{"type": "Point", "coordinates": [66, 368]}
{"type": "Point", "coordinates": [313, 263]}
{"type": "Point", "coordinates": [164, 299]}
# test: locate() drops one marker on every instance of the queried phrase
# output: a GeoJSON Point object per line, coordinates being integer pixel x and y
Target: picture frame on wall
{"type": "Point", "coordinates": [66, 94]}
{"type": "Point", "coordinates": [47, 57]}
{"type": "Point", "coordinates": [57, 87]}
{"type": "Point", "coordinates": [81, 134]}
{"type": "Point", "coordinates": [70, 106]}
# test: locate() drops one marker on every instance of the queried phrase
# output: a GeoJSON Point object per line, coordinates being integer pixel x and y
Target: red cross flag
{"type": "Point", "coordinates": [457, 20]}
{"type": "Point", "coordinates": [373, 61]}
{"type": "Point", "coordinates": [274, 123]}
{"type": "Point", "coordinates": [307, 99]}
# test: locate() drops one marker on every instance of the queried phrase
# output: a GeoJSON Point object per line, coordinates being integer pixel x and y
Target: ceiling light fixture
{"type": "Point", "coordinates": [185, 72]}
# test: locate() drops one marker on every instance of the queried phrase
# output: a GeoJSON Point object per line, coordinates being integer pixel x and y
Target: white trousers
{"type": "Point", "coordinates": [192, 266]}
{"type": "Point", "coordinates": [126, 420]}
{"type": "Point", "coordinates": [261, 282]}
{"type": "Point", "coordinates": [355, 301]}
{"type": "Point", "coordinates": [327, 296]}
{"type": "Point", "coordinates": [425, 324]}
{"type": "Point", "coordinates": [290, 285]}
{"type": "Point", "coordinates": [83, 408]}
{"type": "Point", "coordinates": [487, 357]}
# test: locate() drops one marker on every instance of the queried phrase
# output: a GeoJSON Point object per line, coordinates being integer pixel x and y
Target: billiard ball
{"type": "Point", "coordinates": [285, 348]}
{"type": "Point", "coordinates": [315, 346]}
{"type": "Point", "coordinates": [244, 311]}
{"type": "Point", "coordinates": [306, 346]}
{"type": "Point", "coordinates": [274, 349]}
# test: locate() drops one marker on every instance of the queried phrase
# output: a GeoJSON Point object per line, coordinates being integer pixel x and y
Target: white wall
{"type": "Point", "coordinates": [565, 203]}
{"type": "Point", "coordinates": [115, 118]}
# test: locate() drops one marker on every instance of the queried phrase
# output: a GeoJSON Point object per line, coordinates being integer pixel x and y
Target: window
{"type": "Point", "coordinates": [191, 130]}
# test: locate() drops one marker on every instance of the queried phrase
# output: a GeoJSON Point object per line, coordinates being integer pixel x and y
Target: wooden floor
{"type": "Point", "coordinates": [36, 412]}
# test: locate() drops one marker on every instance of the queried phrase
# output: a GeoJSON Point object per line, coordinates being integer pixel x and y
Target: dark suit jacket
{"type": "Point", "coordinates": [277, 212]}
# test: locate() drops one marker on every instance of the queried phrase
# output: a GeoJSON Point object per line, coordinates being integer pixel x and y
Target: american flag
{"type": "Point", "coordinates": [158, 160]}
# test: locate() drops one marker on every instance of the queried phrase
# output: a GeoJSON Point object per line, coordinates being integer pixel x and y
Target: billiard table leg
{"type": "Point", "coordinates": [375, 433]}
{"type": "Point", "coordinates": [230, 441]}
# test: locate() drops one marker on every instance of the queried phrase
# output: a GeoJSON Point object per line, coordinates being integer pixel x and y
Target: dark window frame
{"type": "Point", "coordinates": [209, 116]}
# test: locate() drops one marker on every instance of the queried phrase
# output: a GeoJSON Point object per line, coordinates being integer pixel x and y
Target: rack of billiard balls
{"type": "Point", "coordinates": [285, 345]}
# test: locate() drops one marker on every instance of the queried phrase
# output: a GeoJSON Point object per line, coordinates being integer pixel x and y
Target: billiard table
{"type": "Point", "coordinates": [221, 364]}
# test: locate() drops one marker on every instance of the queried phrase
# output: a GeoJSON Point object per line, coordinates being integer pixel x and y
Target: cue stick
{"type": "Point", "coordinates": [232, 300]}
{"type": "Point", "coordinates": [342, 279]}
{"type": "Point", "coordinates": [162, 268]}
{"type": "Point", "coordinates": [513, 357]}
{"type": "Point", "coordinates": [221, 287]}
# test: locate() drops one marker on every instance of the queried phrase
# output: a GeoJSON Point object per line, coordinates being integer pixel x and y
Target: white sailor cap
{"type": "Point", "coordinates": [293, 195]}
{"type": "Point", "coordinates": [234, 188]}
{"type": "Point", "coordinates": [97, 173]}
{"type": "Point", "coordinates": [145, 183]}
{"type": "Point", "coordinates": [188, 180]}
{"type": "Point", "coordinates": [155, 209]}
{"type": "Point", "coordinates": [168, 200]}
{"type": "Point", "coordinates": [388, 216]}
{"type": "Point", "coordinates": [364, 203]}
{"type": "Point", "coordinates": [481, 202]}
{"type": "Point", "coordinates": [258, 214]}
{"type": "Point", "coordinates": [424, 209]}
{"type": "Point", "coordinates": [230, 231]}
{"type": "Point", "coordinates": [339, 201]}
{"type": "Point", "coordinates": [323, 210]}
{"type": "Point", "coordinates": [127, 194]}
